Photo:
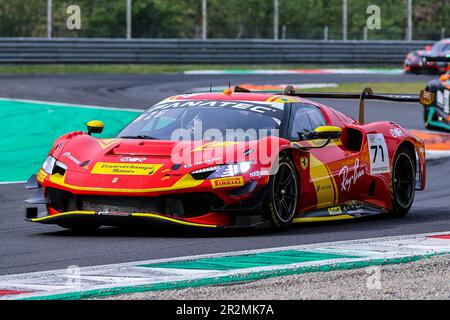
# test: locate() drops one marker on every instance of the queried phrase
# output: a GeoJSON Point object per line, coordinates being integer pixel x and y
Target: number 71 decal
{"type": "Point", "coordinates": [379, 156]}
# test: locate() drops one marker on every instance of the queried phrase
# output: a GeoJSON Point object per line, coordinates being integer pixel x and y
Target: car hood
{"type": "Point", "coordinates": [95, 162]}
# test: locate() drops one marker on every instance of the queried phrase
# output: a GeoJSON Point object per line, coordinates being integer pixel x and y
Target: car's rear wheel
{"type": "Point", "coordinates": [403, 182]}
{"type": "Point", "coordinates": [280, 204]}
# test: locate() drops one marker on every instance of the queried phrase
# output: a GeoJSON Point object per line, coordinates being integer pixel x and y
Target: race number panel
{"type": "Point", "coordinates": [379, 156]}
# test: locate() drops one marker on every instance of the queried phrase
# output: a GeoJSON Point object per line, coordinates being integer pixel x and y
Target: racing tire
{"type": "Point", "coordinates": [403, 182]}
{"type": "Point", "coordinates": [280, 203]}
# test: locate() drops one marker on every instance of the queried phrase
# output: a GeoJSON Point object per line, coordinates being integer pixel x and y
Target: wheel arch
{"type": "Point", "coordinates": [293, 154]}
{"type": "Point", "coordinates": [419, 165]}
{"type": "Point", "coordinates": [407, 144]}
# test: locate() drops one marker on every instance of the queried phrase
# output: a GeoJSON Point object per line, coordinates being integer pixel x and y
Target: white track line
{"type": "Point", "coordinates": [61, 104]}
{"type": "Point", "coordinates": [131, 274]}
{"type": "Point", "coordinates": [12, 182]}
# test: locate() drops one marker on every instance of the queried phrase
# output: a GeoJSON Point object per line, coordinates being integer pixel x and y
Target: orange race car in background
{"type": "Point", "coordinates": [232, 159]}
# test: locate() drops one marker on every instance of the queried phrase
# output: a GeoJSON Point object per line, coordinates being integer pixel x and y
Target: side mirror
{"type": "Point", "coordinates": [95, 126]}
{"type": "Point", "coordinates": [328, 132]}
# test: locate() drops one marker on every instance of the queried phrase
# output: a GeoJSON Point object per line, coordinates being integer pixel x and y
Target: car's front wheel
{"type": "Point", "coordinates": [280, 204]}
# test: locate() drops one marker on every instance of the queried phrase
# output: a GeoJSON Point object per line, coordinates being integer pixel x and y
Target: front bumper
{"type": "Point", "coordinates": [127, 210]}
{"type": "Point", "coordinates": [89, 218]}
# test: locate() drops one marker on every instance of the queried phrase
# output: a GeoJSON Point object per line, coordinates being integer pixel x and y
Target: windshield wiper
{"type": "Point", "coordinates": [140, 136]}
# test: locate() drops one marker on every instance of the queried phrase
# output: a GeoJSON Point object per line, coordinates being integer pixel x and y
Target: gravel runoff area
{"type": "Point", "coordinates": [421, 280]}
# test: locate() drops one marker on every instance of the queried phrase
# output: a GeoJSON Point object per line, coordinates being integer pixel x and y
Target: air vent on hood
{"type": "Point", "coordinates": [136, 148]}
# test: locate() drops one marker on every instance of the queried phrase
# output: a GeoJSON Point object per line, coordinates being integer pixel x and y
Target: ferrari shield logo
{"type": "Point", "coordinates": [304, 162]}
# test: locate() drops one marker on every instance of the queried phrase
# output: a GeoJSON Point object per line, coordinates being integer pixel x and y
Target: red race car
{"type": "Point", "coordinates": [232, 159]}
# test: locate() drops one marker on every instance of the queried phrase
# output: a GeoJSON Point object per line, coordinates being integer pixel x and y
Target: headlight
{"type": "Point", "coordinates": [223, 171]}
{"type": "Point", "coordinates": [51, 166]}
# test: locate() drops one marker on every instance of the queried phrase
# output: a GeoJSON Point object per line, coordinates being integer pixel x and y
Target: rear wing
{"type": "Point", "coordinates": [425, 98]}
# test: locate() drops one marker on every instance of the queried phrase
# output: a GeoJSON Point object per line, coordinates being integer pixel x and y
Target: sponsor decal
{"type": "Point", "coordinates": [304, 162]}
{"type": "Point", "coordinates": [260, 173]}
{"type": "Point", "coordinates": [131, 159]}
{"type": "Point", "coordinates": [113, 213]}
{"type": "Point", "coordinates": [354, 208]}
{"type": "Point", "coordinates": [41, 176]}
{"type": "Point", "coordinates": [379, 156]}
{"type": "Point", "coordinates": [427, 98]}
{"type": "Point", "coordinates": [272, 109]}
{"type": "Point", "coordinates": [227, 182]}
{"type": "Point", "coordinates": [396, 133]}
{"type": "Point", "coordinates": [334, 211]}
{"type": "Point", "coordinates": [125, 169]}
{"type": "Point", "coordinates": [324, 188]}
{"type": "Point", "coordinates": [207, 161]}
{"type": "Point", "coordinates": [115, 180]}
{"type": "Point", "coordinates": [69, 156]}
{"type": "Point", "coordinates": [349, 180]}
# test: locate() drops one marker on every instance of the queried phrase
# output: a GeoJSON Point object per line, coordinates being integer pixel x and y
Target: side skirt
{"type": "Point", "coordinates": [347, 210]}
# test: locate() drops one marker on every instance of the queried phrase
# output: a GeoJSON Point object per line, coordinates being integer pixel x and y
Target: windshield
{"type": "Point", "coordinates": [207, 120]}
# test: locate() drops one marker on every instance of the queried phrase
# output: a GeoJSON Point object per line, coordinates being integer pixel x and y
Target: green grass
{"type": "Point", "coordinates": [148, 68]}
{"type": "Point", "coordinates": [378, 87]}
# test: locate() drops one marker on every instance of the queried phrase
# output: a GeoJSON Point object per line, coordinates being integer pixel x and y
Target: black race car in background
{"type": "Point", "coordinates": [414, 62]}
{"type": "Point", "coordinates": [437, 115]}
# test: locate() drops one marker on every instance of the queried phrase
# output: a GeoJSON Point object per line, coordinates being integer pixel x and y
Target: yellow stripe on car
{"type": "Point", "coordinates": [139, 215]}
{"type": "Point", "coordinates": [157, 216]}
{"type": "Point", "coordinates": [322, 219]}
{"type": "Point", "coordinates": [71, 213]}
{"type": "Point", "coordinates": [184, 183]}
{"type": "Point", "coordinates": [324, 184]}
